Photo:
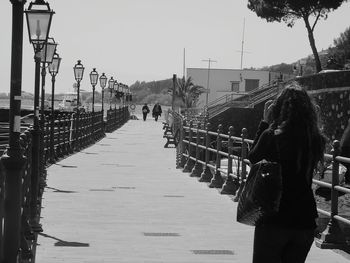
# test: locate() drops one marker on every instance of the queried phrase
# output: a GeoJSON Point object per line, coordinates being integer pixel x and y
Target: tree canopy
{"type": "Point", "coordinates": [188, 92]}
{"type": "Point", "coordinates": [290, 10]}
{"type": "Point", "coordinates": [341, 50]}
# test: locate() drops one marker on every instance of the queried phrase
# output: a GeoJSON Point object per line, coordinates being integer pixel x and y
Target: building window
{"type": "Point", "coordinates": [251, 84]}
{"type": "Point", "coordinates": [235, 86]}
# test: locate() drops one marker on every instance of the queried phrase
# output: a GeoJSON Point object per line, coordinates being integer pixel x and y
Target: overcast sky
{"type": "Point", "coordinates": [144, 39]}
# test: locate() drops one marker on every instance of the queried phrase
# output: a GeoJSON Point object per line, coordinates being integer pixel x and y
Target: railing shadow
{"type": "Point", "coordinates": [63, 243]}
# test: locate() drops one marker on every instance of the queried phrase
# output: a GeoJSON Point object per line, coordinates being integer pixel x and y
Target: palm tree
{"type": "Point", "coordinates": [188, 92]}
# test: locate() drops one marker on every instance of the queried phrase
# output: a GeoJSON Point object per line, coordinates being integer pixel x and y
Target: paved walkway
{"type": "Point", "coordinates": [122, 200]}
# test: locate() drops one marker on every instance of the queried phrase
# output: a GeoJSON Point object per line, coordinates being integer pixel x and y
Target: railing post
{"type": "Point", "coordinates": [93, 127]}
{"type": "Point", "coordinates": [332, 237]}
{"type": "Point", "coordinates": [206, 174]}
{"type": "Point", "coordinates": [229, 186]}
{"type": "Point", "coordinates": [182, 146]}
{"type": "Point", "coordinates": [217, 181]}
{"type": "Point", "coordinates": [13, 170]}
{"type": "Point", "coordinates": [197, 168]}
{"type": "Point", "coordinates": [64, 139]}
{"type": "Point", "coordinates": [52, 128]}
{"type": "Point", "coordinates": [244, 154]}
{"type": "Point", "coordinates": [102, 123]}
{"type": "Point", "coordinates": [179, 145]}
{"type": "Point", "coordinates": [189, 163]}
{"type": "Point", "coordinates": [73, 135]}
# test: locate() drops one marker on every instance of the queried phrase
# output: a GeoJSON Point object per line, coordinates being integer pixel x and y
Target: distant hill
{"type": "Point", "coordinates": [150, 92]}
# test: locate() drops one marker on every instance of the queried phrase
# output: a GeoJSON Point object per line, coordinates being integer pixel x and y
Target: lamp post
{"type": "Point", "coordinates": [78, 75]}
{"type": "Point", "coordinates": [46, 56]}
{"type": "Point", "coordinates": [122, 94]}
{"type": "Point", "coordinates": [110, 87]}
{"type": "Point", "coordinates": [53, 70]}
{"type": "Point", "coordinates": [93, 81]}
{"type": "Point", "coordinates": [103, 82]}
{"type": "Point", "coordinates": [13, 160]}
{"type": "Point", "coordinates": [39, 16]}
{"type": "Point", "coordinates": [116, 93]}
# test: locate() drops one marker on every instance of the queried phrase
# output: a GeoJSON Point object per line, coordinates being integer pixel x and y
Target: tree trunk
{"type": "Point", "coordinates": [313, 45]}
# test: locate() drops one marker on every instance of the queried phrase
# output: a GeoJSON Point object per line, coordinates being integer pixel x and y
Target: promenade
{"type": "Point", "coordinates": [122, 200]}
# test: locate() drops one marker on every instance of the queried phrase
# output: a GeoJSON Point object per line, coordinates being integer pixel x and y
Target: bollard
{"type": "Point", "coordinates": [229, 186]}
{"type": "Point", "coordinates": [332, 237]}
{"type": "Point", "coordinates": [197, 168]}
{"type": "Point", "coordinates": [206, 175]}
{"type": "Point", "coordinates": [242, 176]}
{"type": "Point", "coordinates": [189, 163]}
{"type": "Point", "coordinates": [217, 181]}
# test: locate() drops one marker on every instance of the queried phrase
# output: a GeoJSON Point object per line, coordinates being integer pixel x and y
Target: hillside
{"type": "Point", "coordinates": [150, 92]}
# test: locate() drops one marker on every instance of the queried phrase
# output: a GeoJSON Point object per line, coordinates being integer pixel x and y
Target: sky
{"type": "Point", "coordinates": [145, 39]}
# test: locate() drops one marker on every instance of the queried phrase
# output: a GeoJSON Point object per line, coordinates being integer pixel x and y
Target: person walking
{"type": "Point", "coordinates": [289, 134]}
{"type": "Point", "coordinates": [145, 111]}
{"type": "Point", "coordinates": [156, 111]}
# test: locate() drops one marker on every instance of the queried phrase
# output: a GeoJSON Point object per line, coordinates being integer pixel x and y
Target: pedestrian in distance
{"type": "Point", "coordinates": [289, 135]}
{"type": "Point", "coordinates": [156, 111]}
{"type": "Point", "coordinates": [145, 111]}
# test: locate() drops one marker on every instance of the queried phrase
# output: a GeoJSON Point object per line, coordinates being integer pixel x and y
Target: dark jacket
{"type": "Point", "coordinates": [298, 206]}
{"type": "Point", "coordinates": [157, 110]}
{"type": "Point", "coordinates": [145, 109]}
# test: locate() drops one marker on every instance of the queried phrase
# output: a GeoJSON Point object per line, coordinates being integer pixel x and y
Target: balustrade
{"type": "Point", "coordinates": [194, 140]}
{"type": "Point", "coordinates": [55, 142]}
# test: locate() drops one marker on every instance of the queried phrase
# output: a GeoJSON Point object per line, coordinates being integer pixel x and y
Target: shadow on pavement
{"type": "Point", "coordinates": [60, 191]}
{"type": "Point", "coordinates": [62, 243]}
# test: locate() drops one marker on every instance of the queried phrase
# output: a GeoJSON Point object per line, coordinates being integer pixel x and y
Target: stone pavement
{"type": "Point", "coordinates": [122, 200]}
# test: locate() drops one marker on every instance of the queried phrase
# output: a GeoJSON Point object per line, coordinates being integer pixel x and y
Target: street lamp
{"type": "Point", "coordinates": [78, 75]}
{"type": "Point", "coordinates": [103, 82]}
{"type": "Point", "coordinates": [46, 56]}
{"type": "Point", "coordinates": [54, 66]}
{"type": "Point", "coordinates": [122, 94]}
{"type": "Point", "coordinates": [110, 87]}
{"type": "Point", "coordinates": [12, 159]}
{"type": "Point", "coordinates": [116, 93]}
{"type": "Point", "coordinates": [39, 16]}
{"type": "Point", "coordinates": [93, 81]}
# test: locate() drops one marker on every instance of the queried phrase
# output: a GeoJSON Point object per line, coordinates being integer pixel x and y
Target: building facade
{"type": "Point", "coordinates": [230, 81]}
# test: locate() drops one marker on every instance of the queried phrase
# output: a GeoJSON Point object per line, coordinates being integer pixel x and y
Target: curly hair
{"type": "Point", "coordinates": [294, 111]}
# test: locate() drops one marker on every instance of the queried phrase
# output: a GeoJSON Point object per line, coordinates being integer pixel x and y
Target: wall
{"type": "Point", "coordinates": [239, 118]}
{"type": "Point", "coordinates": [331, 91]}
{"type": "Point", "coordinates": [220, 80]}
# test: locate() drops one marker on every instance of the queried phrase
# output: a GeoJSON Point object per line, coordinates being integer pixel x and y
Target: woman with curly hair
{"type": "Point", "coordinates": [290, 135]}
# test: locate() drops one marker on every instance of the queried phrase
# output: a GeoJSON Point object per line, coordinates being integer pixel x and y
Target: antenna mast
{"type": "Point", "coordinates": [242, 50]}
{"type": "Point", "coordinates": [184, 62]}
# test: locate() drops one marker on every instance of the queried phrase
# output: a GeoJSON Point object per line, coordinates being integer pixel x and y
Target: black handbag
{"type": "Point", "coordinates": [261, 194]}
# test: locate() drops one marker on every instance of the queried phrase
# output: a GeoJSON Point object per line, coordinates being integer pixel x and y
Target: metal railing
{"type": "Point", "coordinates": [249, 99]}
{"type": "Point", "coordinates": [202, 152]}
{"type": "Point", "coordinates": [57, 141]}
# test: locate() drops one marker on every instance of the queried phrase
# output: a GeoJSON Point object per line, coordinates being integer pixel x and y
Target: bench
{"type": "Point", "coordinates": [172, 139]}
{"type": "Point", "coordinates": [167, 130]}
